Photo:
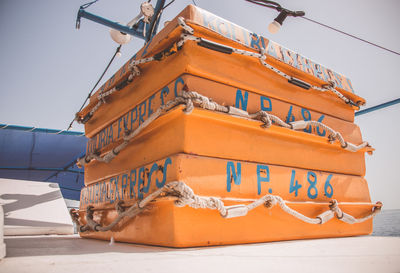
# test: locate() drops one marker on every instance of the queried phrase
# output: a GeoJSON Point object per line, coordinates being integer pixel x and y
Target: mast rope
{"type": "Point", "coordinates": [40, 130]}
{"type": "Point", "coordinates": [184, 196]}
{"type": "Point", "coordinates": [94, 87]}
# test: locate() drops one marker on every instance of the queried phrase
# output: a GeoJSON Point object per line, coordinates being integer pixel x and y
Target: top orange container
{"type": "Point", "coordinates": [235, 70]}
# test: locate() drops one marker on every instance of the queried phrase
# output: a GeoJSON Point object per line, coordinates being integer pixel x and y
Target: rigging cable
{"type": "Point", "coordinates": [98, 81]}
{"type": "Point", "coordinates": [159, 15]}
{"type": "Point", "coordinates": [350, 35]}
{"type": "Point", "coordinates": [84, 6]}
{"type": "Point", "coordinates": [377, 107]}
{"type": "Point", "coordinates": [168, 5]}
{"type": "Point", "coordinates": [279, 8]}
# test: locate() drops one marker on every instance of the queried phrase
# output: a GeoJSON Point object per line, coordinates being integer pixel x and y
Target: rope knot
{"type": "Point", "coordinates": [189, 106]}
{"type": "Point", "coordinates": [262, 57]}
{"type": "Point", "coordinates": [182, 24]}
{"type": "Point", "coordinates": [119, 208]}
{"type": "Point", "coordinates": [135, 71]}
{"type": "Point", "coordinates": [89, 212]}
{"type": "Point", "coordinates": [265, 117]}
{"type": "Point", "coordinates": [378, 207]}
{"type": "Point", "coordinates": [332, 138]}
{"type": "Point", "coordinates": [127, 132]}
{"type": "Point", "coordinates": [334, 206]}
{"type": "Point", "coordinates": [270, 201]}
{"type": "Point", "coordinates": [78, 118]}
{"type": "Point", "coordinates": [74, 214]}
{"type": "Point", "coordinates": [329, 85]}
{"type": "Point", "coordinates": [190, 97]}
{"type": "Point", "coordinates": [184, 193]}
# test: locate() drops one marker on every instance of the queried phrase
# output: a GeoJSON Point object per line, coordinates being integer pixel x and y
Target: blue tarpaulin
{"type": "Point", "coordinates": [43, 155]}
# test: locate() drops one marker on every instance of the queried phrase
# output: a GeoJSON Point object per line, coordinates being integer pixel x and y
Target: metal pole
{"type": "Point", "coordinates": [40, 130]}
{"type": "Point", "coordinates": [90, 16]}
{"type": "Point", "coordinates": [377, 107]}
{"type": "Point", "coordinates": [155, 20]}
{"type": "Point", "coordinates": [40, 169]}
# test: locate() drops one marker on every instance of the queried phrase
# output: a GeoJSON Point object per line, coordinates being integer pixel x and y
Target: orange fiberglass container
{"type": "Point", "coordinates": [233, 70]}
{"type": "Point", "coordinates": [252, 102]}
{"type": "Point", "coordinates": [207, 133]}
{"type": "Point", "coordinates": [234, 159]}
{"type": "Point", "coordinates": [235, 182]}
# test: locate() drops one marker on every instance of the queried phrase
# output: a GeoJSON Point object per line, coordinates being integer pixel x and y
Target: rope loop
{"type": "Point", "coordinates": [267, 121]}
{"type": "Point", "coordinates": [332, 138]}
{"type": "Point", "coordinates": [189, 106]}
{"type": "Point", "coordinates": [270, 202]}
{"type": "Point", "coordinates": [135, 71]}
{"type": "Point", "coordinates": [182, 24]}
{"type": "Point", "coordinates": [264, 117]}
{"type": "Point", "coordinates": [263, 56]}
{"type": "Point", "coordinates": [78, 118]}
{"type": "Point", "coordinates": [74, 214]}
{"type": "Point", "coordinates": [378, 207]}
{"type": "Point", "coordinates": [184, 196]}
{"type": "Point", "coordinates": [330, 85]}
{"type": "Point", "coordinates": [334, 206]}
{"type": "Point", "coordinates": [119, 208]}
{"type": "Point", "coordinates": [89, 212]}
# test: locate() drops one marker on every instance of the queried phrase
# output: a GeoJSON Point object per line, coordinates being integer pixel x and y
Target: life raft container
{"type": "Point", "coordinates": [214, 135]}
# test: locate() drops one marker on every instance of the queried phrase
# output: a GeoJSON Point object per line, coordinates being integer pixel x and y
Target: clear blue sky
{"type": "Point", "coordinates": [47, 67]}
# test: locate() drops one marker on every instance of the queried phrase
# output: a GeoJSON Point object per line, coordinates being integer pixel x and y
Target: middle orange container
{"type": "Point", "coordinates": [219, 135]}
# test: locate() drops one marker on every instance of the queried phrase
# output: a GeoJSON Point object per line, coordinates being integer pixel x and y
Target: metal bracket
{"type": "Point", "coordinates": [138, 30]}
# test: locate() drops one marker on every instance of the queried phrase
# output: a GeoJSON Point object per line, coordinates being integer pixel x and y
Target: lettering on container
{"type": "Point", "coordinates": [130, 185]}
{"type": "Point", "coordinates": [264, 175]}
{"type": "Point", "coordinates": [143, 110]}
{"type": "Point", "coordinates": [297, 61]}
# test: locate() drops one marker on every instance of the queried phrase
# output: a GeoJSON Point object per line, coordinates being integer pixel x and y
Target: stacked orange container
{"type": "Point", "coordinates": [213, 135]}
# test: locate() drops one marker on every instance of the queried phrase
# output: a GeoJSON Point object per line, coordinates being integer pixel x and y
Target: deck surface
{"type": "Point", "coordinates": [71, 253]}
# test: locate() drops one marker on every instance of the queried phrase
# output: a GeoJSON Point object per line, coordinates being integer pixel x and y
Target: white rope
{"type": "Point", "coordinates": [185, 196]}
{"type": "Point", "coordinates": [347, 218]}
{"type": "Point", "coordinates": [186, 37]}
{"type": "Point", "coordinates": [182, 24]}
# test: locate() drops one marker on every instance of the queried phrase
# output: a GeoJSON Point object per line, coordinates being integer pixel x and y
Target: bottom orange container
{"type": "Point", "coordinates": [163, 223]}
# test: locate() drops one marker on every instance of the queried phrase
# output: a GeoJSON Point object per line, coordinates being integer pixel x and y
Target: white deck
{"type": "Point", "coordinates": [33, 208]}
{"type": "Point", "coordinates": [73, 254]}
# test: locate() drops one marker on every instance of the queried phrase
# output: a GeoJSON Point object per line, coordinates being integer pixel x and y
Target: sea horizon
{"type": "Point", "coordinates": [387, 223]}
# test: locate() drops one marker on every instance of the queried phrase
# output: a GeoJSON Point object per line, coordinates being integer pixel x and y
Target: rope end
{"type": "Point", "coordinates": [235, 211]}
{"type": "Point", "coordinates": [378, 207]}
